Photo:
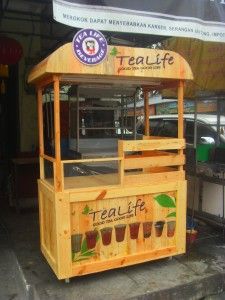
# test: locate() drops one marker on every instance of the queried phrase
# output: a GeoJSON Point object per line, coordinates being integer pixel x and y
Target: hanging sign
{"type": "Point", "coordinates": [89, 46]}
{"type": "Point", "coordinates": [203, 19]}
{"type": "Point", "coordinates": [10, 51]}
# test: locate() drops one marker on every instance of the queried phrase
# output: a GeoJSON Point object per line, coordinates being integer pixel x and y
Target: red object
{"type": "Point", "coordinates": [10, 51]}
{"type": "Point", "coordinates": [191, 236]}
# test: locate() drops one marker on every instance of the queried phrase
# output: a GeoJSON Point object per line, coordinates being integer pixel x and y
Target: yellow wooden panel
{"type": "Point", "coordinates": [47, 221]}
{"type": "Point", "coordinates": [148, 178]}
{"type": "Point", "coordinates": [63, 61]}
{"type": "Point", "coordinates": [97, 266]}
{"type": "Point", "coordinates": [145, 145]}
{"type": "Point", "coordinates": [63, 234]}
{"type": "Point", "coordinates": [94, 194]}
{"type": "Point", "coordinates": [181, 221]}
{"type": "Point", "coordinates": [146, 162]}
{"type": "Point", "coordinates": [128, 227]}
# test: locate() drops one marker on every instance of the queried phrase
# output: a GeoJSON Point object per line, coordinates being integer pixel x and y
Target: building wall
{"type": "Point", "coordinates": [27, 98]}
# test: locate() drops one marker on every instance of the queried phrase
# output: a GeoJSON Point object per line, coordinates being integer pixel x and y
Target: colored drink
{"type": "Point", "coordinates": [134, 230]}
{"type": "Point", "coordinates": [120, 232]}
{"type": "Point", "coordinates": [106, 235]}
{"type": "Point", "coordinates": [91, 237]}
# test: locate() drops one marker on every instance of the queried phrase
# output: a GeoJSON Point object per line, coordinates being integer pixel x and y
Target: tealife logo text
{"type": "Point", "coordinates": [89, 46]}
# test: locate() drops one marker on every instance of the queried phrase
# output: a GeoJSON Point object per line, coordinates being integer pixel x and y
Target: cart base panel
{"type": "Point", "coordinates": [122, 226]}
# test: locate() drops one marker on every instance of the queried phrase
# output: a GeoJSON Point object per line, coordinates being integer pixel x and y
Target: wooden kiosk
{"type": "Point", "coordinates": [134, 214]}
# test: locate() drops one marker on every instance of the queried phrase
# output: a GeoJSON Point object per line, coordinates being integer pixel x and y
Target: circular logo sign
{"type": "Point", "coordinates": [89, 46]}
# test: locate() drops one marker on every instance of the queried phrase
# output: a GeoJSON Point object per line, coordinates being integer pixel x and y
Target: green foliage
{"type": "Point", "coordinates": [172, 214]}
{"type": "Point", "coordinates": [86, 210]}
{"type": "Point", "coordinates": [85, 253]}
{"type": "Point", "coordinates": [165, 200]}
{"type": "Point", "coordinates": [114, 51]}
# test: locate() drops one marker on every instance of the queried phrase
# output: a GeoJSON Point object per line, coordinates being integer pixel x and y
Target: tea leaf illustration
{"type": "Point", "coordinates": [86, 210]}
{"type": "Point", "coordinates": [173, 214]}
{"type": "Point", "coordinates": [84, 247]}
{"type": "Point", "coordinates": [89, 253]}
{"type": "Point", "coordinates": [97, 237]}
{"type": "Point", "coordinates": [165, 200]}
{"type": "Point", "coordinates": [114, 51]}
{"type": "Point", "coordinates": [83, 256]}
{"type": "Point", "coordinates": [79, 259]}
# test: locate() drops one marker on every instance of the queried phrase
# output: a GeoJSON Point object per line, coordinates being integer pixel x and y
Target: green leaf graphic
{"type": "Point", "coordinates": [165, 200]}
{"type": "Point", "coordinates": [80, 259]}
{"type": "Point", "coordinates": [85, 253]}
{"type": "Point", "coordinates": [86, 210]}
{"type": "Point", "coordinates": [84, 247]}
{"type": "Point", "coordinates": [97, 237]}
{"type": "Point", "coordinates": [89, 253]}
{"type": "Point", "coordinates": [84, 256]}
{"type": "Point", "coordinates": [114, 51]}
{"type": "Point", "coordinates": [173, 214]}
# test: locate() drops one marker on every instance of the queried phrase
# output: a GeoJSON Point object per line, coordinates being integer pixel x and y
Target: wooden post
{"type": "Point", "coordinates": [41, 134]}
{"type": "Point", "coordinates": [63, 242]}
{"type": "Point", "coordinates": [180, 107]}
{"type": "Point", "coordinates": [58, 169]}
{"type": "Point", "coordinates": [181, 216]}
{"type": "Point", "coordinates": [78, 120]}
{"type": "Point", "coordinates": [146, 97]}
{"type": "Point", "coordinates": [181, 110]}
{"type": "Point", "coordinates": [121, 162]}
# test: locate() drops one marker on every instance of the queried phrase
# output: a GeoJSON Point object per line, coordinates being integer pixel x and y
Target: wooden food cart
{"type": "Point", "coordinates": [137, 212]}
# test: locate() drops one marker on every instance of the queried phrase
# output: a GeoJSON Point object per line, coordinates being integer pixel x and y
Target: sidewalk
{"type": "Point", "coordinates": [196, 275]}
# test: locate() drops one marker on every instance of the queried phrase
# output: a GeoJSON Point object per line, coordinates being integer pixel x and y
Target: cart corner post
{"type": "Point", "coordinates": [181, 208]}
{"type": "Point", "coordinates": [63, 231]}
{"type": "Point", "coordinates": [57, 164]}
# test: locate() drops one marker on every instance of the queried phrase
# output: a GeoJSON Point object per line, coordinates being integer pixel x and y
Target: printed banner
{"type": "Point", "coordinates": [132, 225]}
{"type": "Point", "coordinates": [202, 19]}
{"type": "Point", "coordinates": [207, 63]}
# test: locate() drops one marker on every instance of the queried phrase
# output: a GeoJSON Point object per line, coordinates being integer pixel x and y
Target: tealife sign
{"type": "Point", "coordinates": [203, 19]}
{"type": "Point", "coordinates": [145, 62]}
{"type": "Point", "coordinates": [89, 46]}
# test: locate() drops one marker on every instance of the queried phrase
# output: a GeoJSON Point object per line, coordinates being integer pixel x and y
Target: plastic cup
{"type": "Point", "coordinates": [120, 232]}
{"type": "Point", "coordinates": [106, 235]}
{"type": "Point", "coordinates": [91, 237]}
{"type": "Point", "coordinates": [171, 225]}
{"type": "Point", "coordinates": [134, 230]}
{"type": "Point", "coordinates": [159, 228]}
{"type": "Point", "coordinates": [76, 240]}
{"type": "Point", "coordinates": [147, 229]}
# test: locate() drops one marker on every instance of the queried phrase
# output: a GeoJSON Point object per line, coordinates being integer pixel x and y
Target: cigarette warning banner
{"type": "Point", "coordinates": [201, 19]}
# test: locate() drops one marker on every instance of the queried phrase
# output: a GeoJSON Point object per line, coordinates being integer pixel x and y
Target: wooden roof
{"type": "Point", "coordinates": [122, 64]}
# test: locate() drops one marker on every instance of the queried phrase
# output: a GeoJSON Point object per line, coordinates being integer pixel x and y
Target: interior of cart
{"type": "Point", "coordinates": [94, 117]}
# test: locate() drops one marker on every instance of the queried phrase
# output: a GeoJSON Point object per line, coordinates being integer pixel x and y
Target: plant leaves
{"type": "Point", "coordinates": [84, 247]}
{"type": "Point", "coordinates": [165, 200]}
{"type": "Point", "coordinates": [173, 214]}
{"type": "Point", "coordinates": [89, 253]}
{"type": "Point", "coordinates": [80, 259]}
{"type": "Point", "coordinates": [86, 210]}
{"type": "Point", "coordinates": [84, 256]}
{"type": "Point", "coordinates": [97, 237]}
{"type": "Point", "coordinates": [114, 51]}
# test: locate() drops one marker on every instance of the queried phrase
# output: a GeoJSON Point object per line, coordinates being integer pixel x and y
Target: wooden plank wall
{"type": "Point", "coordinates": [109, 233]}
{"type": "Point", "coordinates": [48, 234]}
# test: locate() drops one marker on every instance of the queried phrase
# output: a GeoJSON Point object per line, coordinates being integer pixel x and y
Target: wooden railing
{"type": "Point", "coordinates": [152, 160]}
{"type": "Point", "coordinates": [139, 162]}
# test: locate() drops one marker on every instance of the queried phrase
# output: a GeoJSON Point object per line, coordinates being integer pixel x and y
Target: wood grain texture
{"type": "Point", "coordinates": [63, 61]}
{"type": "Point", "coordinates": [151, 144]}
{"type": "Point", "coordinates": [154, 161]}
{"type": "Point", "coordinates": [57, 163]}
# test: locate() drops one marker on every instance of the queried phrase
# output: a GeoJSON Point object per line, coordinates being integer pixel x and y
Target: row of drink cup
{"type": "Point", "coordinates": [120, 229]}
